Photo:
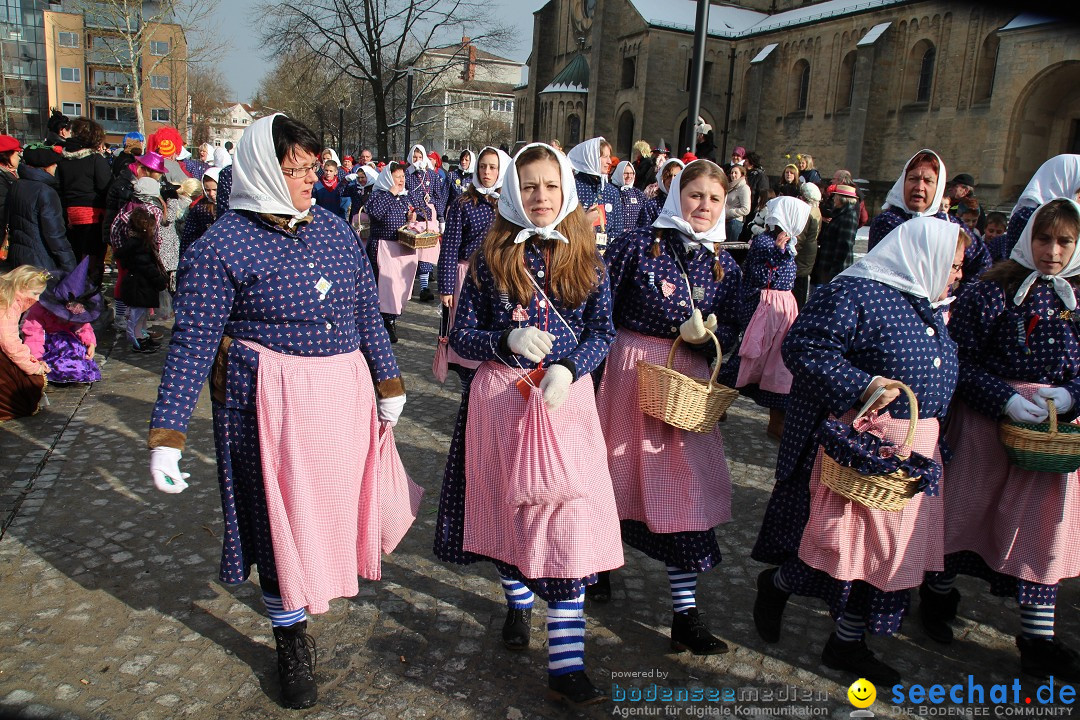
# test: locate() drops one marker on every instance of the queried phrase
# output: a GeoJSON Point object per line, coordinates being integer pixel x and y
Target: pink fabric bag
{"type": "Point", "coordinates": [429, 225]}
{"type": "Point", "coordinates": [399, 496]}
{"type": "Point", "coordinates": [540, 475]}
{"type": "Point", "coordinates": [439, 365]}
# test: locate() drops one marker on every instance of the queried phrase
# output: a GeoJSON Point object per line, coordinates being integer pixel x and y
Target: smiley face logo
{"type": "Point", "coordinates": [862, 693]}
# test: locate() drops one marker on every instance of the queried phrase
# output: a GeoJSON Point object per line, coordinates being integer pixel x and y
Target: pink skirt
{"type": "Point", "coordinates": [670, 479]}
{"type": "Point", "coordinates": [760, 360]}
{"type": "Point", "coordinates": [397, 271]}
{"type": "Point", "coordinates": [453, 357]}
{"type": "Point", "coordinates": [889, 550]}
{"type": "Point", "coordinates": [1023, 523]}
{"type": "Point", "coordinates": [322, 487]}
{"type": "Point", "coordinates": [568, 540]}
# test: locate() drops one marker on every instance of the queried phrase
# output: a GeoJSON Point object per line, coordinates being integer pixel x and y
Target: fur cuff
{"type": "Point", "coordinates": [390, 387]}
{"type": "Point", "coordinates": [163, 437]}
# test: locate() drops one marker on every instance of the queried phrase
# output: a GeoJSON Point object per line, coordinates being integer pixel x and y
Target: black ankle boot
{"type": "Point", "coordinates": [296, 666]}
{"type": "Point", "coordinates": [391, 328]}
{"type": "Point", "coordinates": [935, 612]}
{"type": "Point", "coordinates": [426, 295]}
{"type": "Point", "coordinates": [575, 688]}
{"type": "Point", "coordinates": [769, 606]}
{"type": "Point", "coordinates": [600, 591]}
{"type": "Point", "coordinates": [515, 632]}
{"type": "Point", "coordinates": [853, 656]}
{"type": "Point", "coordinates": [1043, 657]}
{"type": "Point", "coordinates": [688, 632]}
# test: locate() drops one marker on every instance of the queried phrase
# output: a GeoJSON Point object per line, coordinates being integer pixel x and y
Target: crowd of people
{"type": "Point", "coordinates": [558, 276]}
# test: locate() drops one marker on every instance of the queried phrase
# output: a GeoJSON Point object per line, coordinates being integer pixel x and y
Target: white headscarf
{"type": "Point", "coordinates": [671, 216]}
{"type": "Point", "coordinates": [222, 158]}
{"type": "Point", "coordinates": [585, 158]}
{"type": "Point", "coordinates": [258, 183]}
{"type": "Point", "coordinates": [425, 164]}
{"type": "Point", "coordinates": [617, 176]}
{"type": "Point", "coordinates": [1023, 254]}
{"type": "Point", "coordinates": [213, 173]}
{"type": "Point", "coordinates": [370, 174]}
{"type": "Point", "coordinates": [333, 155]}
{"type": "Point", "coordinates": [504, 164]}
{"type": "Point", "coordinates": [385, 181]}
{"type": "Point", "coordinates": [511, 207]}
{"type": "Point", "coordinates": [184, 154]}
{"type": "Point", "coordinates": [472, 163]}
{"type": "Point", "coordinates": [895, 198]}
{"type": "Point", "coordinates": [660, 172]}
{"type": "Point", "coordinates": [1057, 177]}
{"type": "Point", "coordinates": [790, 215]}
{"type": "Point", "coordinates": [915, 258]}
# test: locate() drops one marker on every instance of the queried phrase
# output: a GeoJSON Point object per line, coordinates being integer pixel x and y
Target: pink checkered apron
{"type": "Point", "coordinates": [670, 479]}
{"type": "Point", "coordinates": [889, 550]}
{"type": "Point", "coordinates": [397, 271]}
{"type": "Point", "coordinates": [453, 357]}
{"type": "Point", "coordinates": [759, 351]}
{"type": "Point", "coordinates": [1023, 523]}
{"type": "Point", "coordinates": [568, 540]}
{"type": "Point", "coordinates": [320, 471]}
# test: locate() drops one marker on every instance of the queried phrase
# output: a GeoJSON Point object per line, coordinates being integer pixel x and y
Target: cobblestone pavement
{"type": "Point", "coordinates": [111, 609]}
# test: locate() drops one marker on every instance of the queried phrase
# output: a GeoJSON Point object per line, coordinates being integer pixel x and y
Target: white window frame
{"type": "Point", "coordinates": [155, 81]}
{"type": "Point", "coordinates": [153, 50]}
{"type": "Point", "coordinates": [155, 115]}
{"type": "Point", "coordinates": [71, 109]}
{"type": "Point", "coordinates": [76, 74]}
{"type": "Point", "coordinates": [72, 36]}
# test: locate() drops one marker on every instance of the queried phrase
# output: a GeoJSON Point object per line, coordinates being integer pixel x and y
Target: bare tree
{"type": "Point", "coordinates": [208, 92]}
{"type": "Point", "coordinates": [129, 26]}
{"type": "Point", "coordinates": [375, 42]}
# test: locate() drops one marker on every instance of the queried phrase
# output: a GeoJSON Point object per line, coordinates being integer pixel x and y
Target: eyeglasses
{"type": "Point", "coordinates": [957, 268]}
{"type": "Point", "coordinates": [302, 171]}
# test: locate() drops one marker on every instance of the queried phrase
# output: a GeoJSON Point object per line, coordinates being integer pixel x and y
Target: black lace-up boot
{"type": "Point", "coordinates": [296, 666]}
{"type": "Point", "coordinates": [688, 632]}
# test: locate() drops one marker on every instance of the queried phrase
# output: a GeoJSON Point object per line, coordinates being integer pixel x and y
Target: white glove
{"type": "Point", "coordinates": [351, 177]}
{"type": "Point", "coordinates": [442, 227]}
{"type": "Point", "coordinates": [531, 342]}
{"type": "Point", "coordinates": [165, 470]}
{"type": "Point", "coordinates": [556, 386]}
{"type": "Point", "coordinates": [390, 409]}
{"type": "Point", "coordinates": [1025, 411]}
{"type": "Point", "coordinates": [693, 330]}
{"type": "Point", "coordinates": [1062, 399]}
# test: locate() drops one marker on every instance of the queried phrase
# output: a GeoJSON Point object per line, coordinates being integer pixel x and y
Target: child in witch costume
{"type": "Point", "coordinates": [57, 329]}
{"type": "Point", "coordinates": [537, 293]}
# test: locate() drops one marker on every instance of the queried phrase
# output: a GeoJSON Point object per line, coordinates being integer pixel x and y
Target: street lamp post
{"type": "Point", "coordinates": [408, 112]}
{"type": "Point", "coordinates": [341, 128]}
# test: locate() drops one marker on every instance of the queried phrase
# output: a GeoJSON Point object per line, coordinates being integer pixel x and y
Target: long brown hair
{"type": "Point", "coordinates": [575, 268]}
{"type": "Point", "coordinates": [1055, 214]}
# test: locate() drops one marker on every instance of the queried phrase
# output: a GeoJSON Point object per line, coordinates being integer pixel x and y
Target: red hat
{"type": "Point", "coordinates": [347, 157]}
{"type": "Point", "coordinates": [8, 143]}
{"type": "Point", "coordinates": [689, 158]}
{"type": "Point", "coordinates": [436, 161]}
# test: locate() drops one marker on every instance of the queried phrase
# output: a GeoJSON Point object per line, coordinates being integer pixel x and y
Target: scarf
{"type": "Point", "coordinates": [660, 173]}
{"type": "Point", "coordinates": [671, 217]}
{"type": "Point", "coordinates": [617, 176]}
{"type": "Point", "coordinates": [790, 215]}
{"type": "Point", "coordinates": [895, 198]}
{"type": "Point", "coordinates": [504, 164]}
{"type": "Point", "coordinates": [422, 165]}
{"type": "Point", "coordinates": [258, 183]}
{"type": "Point", "coordinates": [385, 181]}
{"type": "Point", "coordinates": [511, 207]}
{"type": "Point", "coordinates": [585, 158]}
{"type": "Point", "coordinates": [1023, 254]}
{"type": "Point", "coordinates": [329, 184]}
{"type": "Point", "coordinates": [1058, 177]}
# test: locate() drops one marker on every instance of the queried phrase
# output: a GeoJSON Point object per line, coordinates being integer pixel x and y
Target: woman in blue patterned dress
{"type": "Point", "coordinates": [1019, 346]}
{"type": "Point", "coordinates": [460, 178]}
{"type": "Point", "coordinates": [389, 209]}
{"type": "Point", "coordinates": [633, 200]}
{"type": "Point", "coordinates": [1058, 177]}
{"type": "Point", "coordinates": [536, 293]}
{"type": "Point", "coordinates": [875, 324]}
{"type": "Point", "coordinates": [426, 188]}
{"type": "Point", "coordinates": [275, 279]}
{"type": "Point", "coordinates": [601, 201]}
{"type": "Point", "coordinates": [671, 282]}
{"type": "Point", "coordinates": [655, 204]}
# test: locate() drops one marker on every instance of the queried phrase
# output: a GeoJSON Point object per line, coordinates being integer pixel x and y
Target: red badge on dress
{"type": "Point", "coordinates": [668, 288]}
{"type": "Point", "coordinates": [520, 314]}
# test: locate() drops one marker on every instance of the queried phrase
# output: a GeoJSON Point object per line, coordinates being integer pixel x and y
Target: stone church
{"type": "Point", "coordinates": [859, 84]}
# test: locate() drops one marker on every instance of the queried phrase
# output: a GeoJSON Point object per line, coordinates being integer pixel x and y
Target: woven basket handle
{"type": "Point", "coordinates": [1053, 416]}
{"type": "Point", "coordinates": [913, 405]}
{"type": "Point", "coordinates": [719, 355]}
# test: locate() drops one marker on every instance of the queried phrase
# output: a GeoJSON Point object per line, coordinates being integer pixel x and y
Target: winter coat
{"type": "Point", "coordinates": [36, 219]}
{"type": "Point", "coordinates": [120, 194]}
{"type": "Point", "coordinates": [7, 181]}
{"type": "Point", "coordinates": [145, 276]}
{"type": "Point", "coordinates": [83, 178]}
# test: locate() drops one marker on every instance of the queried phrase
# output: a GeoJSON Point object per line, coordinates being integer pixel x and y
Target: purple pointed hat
{"type": "Point", "coordinates": [70, 289]}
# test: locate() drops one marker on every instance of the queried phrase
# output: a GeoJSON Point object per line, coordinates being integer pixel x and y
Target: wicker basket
{"type": "Point", "coordinates": [417, 240]}
{"type": "Point", "coordinates": [1045, 447]}
{"type": "Point", "coordinates": [879, 492]}
{"type": "Point", "coordinates": [681, 401]}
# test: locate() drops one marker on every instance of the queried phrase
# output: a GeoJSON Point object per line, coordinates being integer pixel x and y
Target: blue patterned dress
{"type": "Point", "coordinates": [641, 305]}
{"type": "Point", "coordinates": [977, 258]}
{"type": "Point", "coordinates": [199, 219]}
{"type": "Point", "coordinates": [590, 193]}
{"type": "Point", "coordinates": [467, 224]}
{"type": "Point", "coordinates": [483, 321]}
{"type": "Point", "coordinates": [652, 209]}
{"type": "Point", "coordinates": [224, 190]}
{"type": "Point", "coordinates": [388, 212]}
{"type": "Point", "coordinates": [249, 279]}
{"type": "Point", "coordinates": [424, 188]}
{"type": "Point", "coordinates": [850, 330]}
{"type": "Point", "coordinates": [633, 202]}
{"type": "Point", "coordinates": [457, 182]}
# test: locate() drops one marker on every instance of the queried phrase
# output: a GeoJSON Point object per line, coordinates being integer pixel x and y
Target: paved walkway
{"type": "Point", "coordinates": [110, 606]}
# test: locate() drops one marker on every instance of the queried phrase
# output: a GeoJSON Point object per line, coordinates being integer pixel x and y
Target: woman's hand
{"type": "Point", "coordinates": [885, 398]}
{"type": "Point", "coordinates": [592, 215]}
{"type": "Point", "coordinates": [90, 352]}
{"type": "Point", "coordinates": [447, 300]}
{"type": "Point", "coordinates": [411, 217]}
{"type": "Point", "coordinates": [782, 240]}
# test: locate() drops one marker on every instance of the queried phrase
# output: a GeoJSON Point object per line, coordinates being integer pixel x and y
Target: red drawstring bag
{"type": "Point", "coordinates": [399, 496]}
{"type": "Point", "coordinates": [439, 364]}
{"type": "Point", "coordinates": [541, 475]}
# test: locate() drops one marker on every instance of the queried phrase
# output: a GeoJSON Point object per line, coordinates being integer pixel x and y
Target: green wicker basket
{"type": "Point", "coordinates": [1044, 447]}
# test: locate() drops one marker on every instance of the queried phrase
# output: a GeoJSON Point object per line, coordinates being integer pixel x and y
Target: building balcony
{"type": "Point", "coordinates": [104, 91]}
{"type": "Point", "coordinates": [105, 57]}
{"type": "Point", "coordinates": [119, 127]}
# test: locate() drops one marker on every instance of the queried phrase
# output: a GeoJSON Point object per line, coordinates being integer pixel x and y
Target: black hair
{"type": "Point", "coordinates": [229, 145]}
{"type": "Point", "coordinates": [464, 154]}
{"type": "Point", "coordinates": [290, 136]}
{"type": "Point", "coordinates": [58, 121]}
{"type": "Point", "coordinates": [5, 157]}
{"type": "Point", "coordinates": [754, 159]}
{"type": "Point", "coordinates": [395, 166]}
{"type": "Point", "coordinates": [998, 218]}
{"type": "Point", "coordinates": [142, 225]}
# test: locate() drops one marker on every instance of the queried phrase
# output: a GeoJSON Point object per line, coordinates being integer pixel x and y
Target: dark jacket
{"type": "Point", "coordinates": [38, 231]}
{"type": "Point", "coordinates": [120, 193]}
{"type": "Point", "coordinates": [145, 276]}
{"type": "Point", "coordinates": [759, 188]}
{"type": "Point", "coordinates": [83, 176]}
{"type": "Point", "coordinates": [646, 172]}
{"type": "Point", "coordinates": [836, 244]}
{"type": "Point", "coordinates": [7, 181]}
{"type": "Point", "coordinates": [121, 162]}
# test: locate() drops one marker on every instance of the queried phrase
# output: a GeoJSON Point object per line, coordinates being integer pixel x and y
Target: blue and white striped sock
{"type": "Point", "coordinates": [279, 616]}
{"type": "Point", "coordinates": [941, 583]}
{"type": "Point", "coordinates": [780, 582]}
{"type": "Point", "coordinates": [425, 278]}
{"type": "Point", "coordinates": [566, 636]}
{"type": "Point", "coordinates": [850, 627]}
{"type": "Point", "coordinates": [683, 588]}
{"type": "Point", "coordinates": [1037, 621]}
{"type": "Point", "coordinates": [518, 597]}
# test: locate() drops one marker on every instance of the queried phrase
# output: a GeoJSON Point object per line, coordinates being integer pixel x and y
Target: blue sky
{"type": "Point", "coordinates": [243, 65]}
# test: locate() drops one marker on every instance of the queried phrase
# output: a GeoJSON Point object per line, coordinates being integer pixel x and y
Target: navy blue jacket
{"type": "Point", "coordinates": [36, 221]}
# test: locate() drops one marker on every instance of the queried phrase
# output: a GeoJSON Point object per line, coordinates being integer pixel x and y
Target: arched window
{"type": "Point", "coordinates": [926, 75]}
{"type": "Point", "coordinates": [625, 144]}
{"type": "Point", "coordinates": [573, 130]}
{"type": "Point", "coordinates": [800, 86]}
{"type": "Point", "coordinates": [629, 72]}
{"type": "Point", "coordinates": [986, 68]}
{"type": "Point", "coordinates": [744, 101]}
{"type": "Point", "coordinates": [845, 87]}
